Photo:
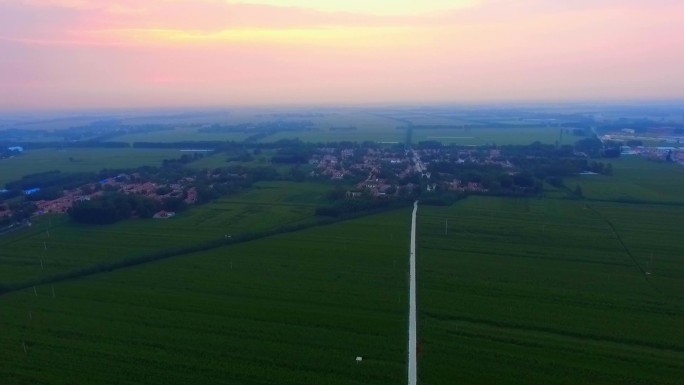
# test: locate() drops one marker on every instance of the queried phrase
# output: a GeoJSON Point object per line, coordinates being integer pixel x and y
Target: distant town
{"type": "Point", "coordinates": [365, 170]}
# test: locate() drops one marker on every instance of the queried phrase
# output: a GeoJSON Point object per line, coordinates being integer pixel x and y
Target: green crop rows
{"type": "Point", "coordinates": [550, 291]}
{"type": "Point", "coordinates": [290, 309]}
{"type": "Point", "coordinates": [64, 245]}
{"type": "Point", "coordinates": [509, 291]}
{"type": "Point", "coordinates": [80, 160]}
{"type": "Point", "coordinates": [635, 179]}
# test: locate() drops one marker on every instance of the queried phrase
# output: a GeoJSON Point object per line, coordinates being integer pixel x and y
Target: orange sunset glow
{"type": "Point", "coordinates": [121, 53]}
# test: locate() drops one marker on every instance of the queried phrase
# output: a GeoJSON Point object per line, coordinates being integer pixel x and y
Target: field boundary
{"type": "Point", "coordinates": [177, 252]}
{"type": "Point", "coordinates": [624, 246]}
{"type": "Point", "coordinates": [558, 332]}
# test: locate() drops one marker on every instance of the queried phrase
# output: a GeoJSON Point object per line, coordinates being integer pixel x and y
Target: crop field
{"type": "Point", "coordinates": [509, 291]}
{"type": "Point", "coordinates": [335, 127]}
{"type": "Point", "coordinates": [180, 134]}
{"type": "Point", "coordinates": [500, 136]}
{"type": "Point", "coordinates": [446, 135]}
{"type": "Point", "coordinates": [635, 179]}
{"type": "Point", "coordinates": [652, 234]}
{"type": "Point", "coordinates": [517, 291]}
{"type": "Point", "coordinates": [327, 127]}
{"type": "Point", "coordinates": [220, 159]}
{"type": "Point", "coordinates": [290, 309]}
{"type": "Point", "coordinates": [68, 246]}
{"type": "Point", "coordinates": [50, 123]}
{"type": "Point", "coordinates": [341, 125]}
{"type": "Point", "coordinates": [392, 135]}
{"type": "Point", "coordinates": [80, 160]}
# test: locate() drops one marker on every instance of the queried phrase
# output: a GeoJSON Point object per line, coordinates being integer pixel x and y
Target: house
{"type": "Point", "coordinates": [192, 196]}
{"type": "Point", "coordinates": [164, 214]}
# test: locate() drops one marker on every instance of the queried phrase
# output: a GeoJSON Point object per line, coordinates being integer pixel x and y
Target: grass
{"type": "Point", "coordinates": [291, 309]}
{"type": "Point", "coordinates": [368, 127]}
{"type": "Point", "coordinates": [635, 179]}
{"type": "Point", "coordinates": [651, 236]}
{"type": "Point", "coordinates": [181, 134]}
{"type": "Point", "coordinates": [216, 160]}
{"type": "Point", "coordinates": [511, 291]}
{"type": "Point", "coordinates": [80, 160]}
{"type": "Point", "coordinates": [70, 245]}
{"type": "Point", "coordinates": [546, 291]}
{"type": "Point", "coordinates": [500, 136]}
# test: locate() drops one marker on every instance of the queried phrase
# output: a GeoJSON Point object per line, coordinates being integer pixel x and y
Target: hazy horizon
{"type": "Point", "coordinates": [120, 54]}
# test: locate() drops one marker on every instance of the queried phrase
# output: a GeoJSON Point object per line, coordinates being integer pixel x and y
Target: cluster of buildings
{"type": "Point", "coordinates": [329, 164]}
{"type": "Point", "coordinates": [672, 151]}
{"type": "Point", "coordinates": [122, 183]}
{"type": "Point", "coordinates": [458, 185]}
{"type": "Point", "coordinates": [64, 203]}
{"type": "Point", "coordinates": [674, 154]}
{"type": "Point", "coordinates": [377, 187]}
{"type": "Point", "coordinates": [372, 165]}
{"type": "Point", "coordinates": [4, 211]}
{"type": "Point", "coordinates": [382, 170]}
{"type": "Point", "coordinates": [9, 152]}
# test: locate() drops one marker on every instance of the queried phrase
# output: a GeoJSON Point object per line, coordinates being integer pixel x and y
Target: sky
{"type": "Point", "coordinates": [72, 54]}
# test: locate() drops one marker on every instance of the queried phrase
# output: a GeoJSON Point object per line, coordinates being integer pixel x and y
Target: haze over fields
{"type": "Point", "coordinates": [339, 192]}
{"type": "Point", "coordinates": [59, 54]}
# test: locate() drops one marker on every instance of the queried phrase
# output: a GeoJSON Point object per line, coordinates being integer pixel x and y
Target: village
{"type": "Point", "coordinates": [376, 171]}
{"type": "Point", "coordinates": [379, 171]}
{"type": "Point", "coordinates": [655, 144]}
{"type": "Point", "coordinates": [384, 171]}
{"type": "Point", "coordinates": [123, 183]}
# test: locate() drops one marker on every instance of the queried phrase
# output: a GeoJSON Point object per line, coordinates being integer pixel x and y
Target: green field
{"type": "Point", "coordinates": [80, 160]}
{"type": "Point", "coordinates": [546, 291]}
{"type": "Point", "coordinates": [291, 309]}
{"type": "Point", "coordinates": [329, 126]}
{"type": "Point", "coordinates": [510, 290]}
{"type": "Point", "coordinates": [220, 159]}
{"type": "Point", "coordinates": [181, 134]}
{"type": "Point", "coordinates": [68, 246]}
{"type": "Point", "coordinates": [635, 179]}
{"type": "Point", "coordinates": [368, 127]}
{"type": "Point", "coordinates": [487, 136]}
{"type": "Point", "coordinates": [518, 291]}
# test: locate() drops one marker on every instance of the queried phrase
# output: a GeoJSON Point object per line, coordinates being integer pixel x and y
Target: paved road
{"type": "Point", "coordinates": [412, 330]}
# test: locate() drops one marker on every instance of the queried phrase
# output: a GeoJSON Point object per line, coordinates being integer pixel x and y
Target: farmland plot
{"type": "Point", "coordinates": [73, 160]}
{"type": "Point", "coordinates": [63, 245]}
{"type": "Point", "coordinates": [635, 179]}
{"type": "Point", "coordinates": [289, 309]}
{"type": "Point", "coordinates": [543, 291]}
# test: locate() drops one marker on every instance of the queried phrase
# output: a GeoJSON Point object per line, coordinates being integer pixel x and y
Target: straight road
{"type": "Point", "coordinates": [412, 330]}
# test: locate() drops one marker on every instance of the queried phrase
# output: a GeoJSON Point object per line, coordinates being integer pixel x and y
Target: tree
{"type": "Point", "coordinates": [608, 169]}
{"type": "Point", "coordinates": [578, 192]}
{"type": "Point", "coordinates": [111, 208]}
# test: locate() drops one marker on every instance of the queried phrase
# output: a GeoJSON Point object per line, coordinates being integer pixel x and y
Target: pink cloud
{"type": "Point", "coordinates": [79, 55]}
